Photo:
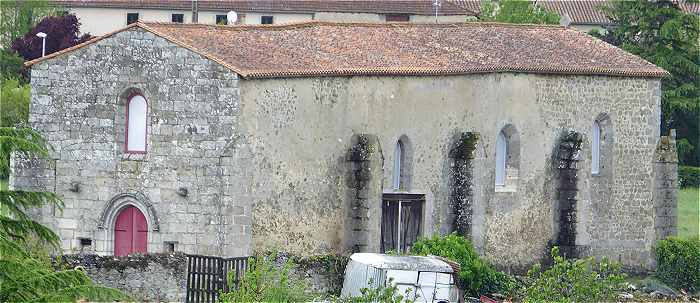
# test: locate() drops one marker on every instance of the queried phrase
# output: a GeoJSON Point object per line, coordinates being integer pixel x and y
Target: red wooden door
{"type": "Point", "coordinates": [130, 232]}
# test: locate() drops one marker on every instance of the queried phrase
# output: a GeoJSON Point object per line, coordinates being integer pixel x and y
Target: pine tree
{"type": "Point", "coordinates": [23, 277]}
{"type": "Point", "coordinates": [662, 33]}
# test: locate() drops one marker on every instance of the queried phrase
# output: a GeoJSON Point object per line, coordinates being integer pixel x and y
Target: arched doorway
{"type": "Point", "coordinates": [130, 232]}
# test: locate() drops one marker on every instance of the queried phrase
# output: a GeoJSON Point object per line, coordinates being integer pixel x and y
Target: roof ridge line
{"type": "Point", "coordinates": [364, 24]}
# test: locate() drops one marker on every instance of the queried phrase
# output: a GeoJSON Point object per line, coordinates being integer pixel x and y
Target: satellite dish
{"type": "Point", "coordinates": [231, 17]}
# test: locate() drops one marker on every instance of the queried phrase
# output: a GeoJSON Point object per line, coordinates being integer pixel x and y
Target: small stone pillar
{"type": "Point", "coordinates": [365, 191]}
{"type": "Point", "coordinates": [665, 194]}
{"type": "Point", "coordinates": [461, 191]}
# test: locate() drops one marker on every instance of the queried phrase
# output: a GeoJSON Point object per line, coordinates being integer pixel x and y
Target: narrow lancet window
{"type": "Point", "coordinates": [136, 124]}
{"type": "Point", "coordinates": [501, 152]}
{"type": "Point", "coordinates": [595, 148]}
{"type": "Point", "coordinates": [398, 155]}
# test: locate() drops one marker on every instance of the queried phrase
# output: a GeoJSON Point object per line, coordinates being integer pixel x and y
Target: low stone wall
{"type": "Point", "coordinates": [323, 273]}
{"type": "Point", "coordinates": [152, 277]}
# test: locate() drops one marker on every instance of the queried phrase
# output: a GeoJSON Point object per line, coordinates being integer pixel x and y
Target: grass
{"type": "Point", "coordinates": [3, 184]}
{"type": "Point", "coordinates": [689, 212]}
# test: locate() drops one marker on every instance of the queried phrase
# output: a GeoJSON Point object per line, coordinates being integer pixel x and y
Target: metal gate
{"type": "Point", "coordinates": [207, 275]}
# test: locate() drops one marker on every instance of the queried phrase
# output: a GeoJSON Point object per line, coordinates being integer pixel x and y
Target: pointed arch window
{"type": "Point", "coordinates": [501, 152]}
{"type": "Point", "coordinates": [398, 157]}
{"type": "Point", "coordinates": [595, 147]}
{"type": "Point", "coordinates": [136, 127]}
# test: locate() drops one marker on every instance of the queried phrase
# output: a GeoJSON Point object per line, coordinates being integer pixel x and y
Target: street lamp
{"type": "Point", "coordinates": [42, 35]}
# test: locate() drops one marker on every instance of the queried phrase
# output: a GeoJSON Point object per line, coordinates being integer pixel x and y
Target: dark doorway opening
{"type": "Point", "coordinates": [402, 215]}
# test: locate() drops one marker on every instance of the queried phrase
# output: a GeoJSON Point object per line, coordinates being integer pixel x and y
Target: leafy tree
{"type": "Point", "coordinates": [17, 17]}
{"type": "Point", "coordinates": [24, 277]}
{"type": "Point", "coordinates": [15, 224]}
{"type": "Point", "coordinates": [516, 11]}
{"type": "Point", "coordinates": [11, 66]}
{"type": "Point", "coordinates": [14, 101]}
{"type": "Point", "coordinates": [61, 32]}
{"type": "Point", "coordinates": [662, 33]}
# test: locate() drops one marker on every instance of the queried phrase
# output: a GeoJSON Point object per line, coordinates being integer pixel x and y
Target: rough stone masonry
{"type": "Point", "coordinates": [237, 163]}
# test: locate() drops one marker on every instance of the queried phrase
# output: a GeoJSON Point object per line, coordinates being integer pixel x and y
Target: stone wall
{"type": "Point", "coordinates": [299, 158]}
{"type": "Point", "coordinates": [666, 187]}
{"type": "Point", "coordinates": [153, 277]}
{"type": "Point", "coordinates": [78, 102]}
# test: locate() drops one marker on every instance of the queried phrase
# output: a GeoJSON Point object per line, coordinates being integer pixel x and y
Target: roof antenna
{"type": "Point", "coordinates": [565, 20]}
{"type": "Point", "coordinates": [437, 5]}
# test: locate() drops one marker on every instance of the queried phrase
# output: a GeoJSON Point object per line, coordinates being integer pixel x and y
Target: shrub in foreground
{"type": "Point", "coordinates": [581, 280]}
{"type": "Point", "coordinates": [688, 176]}
{"type": "Point", "coordinates": [678, 262]}
{"type": "Point", "coordinates": [476, 275]}
{"type": "Point", "coordinates": [265, 281]}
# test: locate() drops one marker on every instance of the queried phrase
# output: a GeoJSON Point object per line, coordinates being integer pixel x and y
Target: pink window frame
{"type": "Point", "coordinates": [126, 128]}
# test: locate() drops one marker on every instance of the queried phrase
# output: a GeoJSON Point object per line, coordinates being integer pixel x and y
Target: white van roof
{"type": "Point", "coordinates": [418, 263]}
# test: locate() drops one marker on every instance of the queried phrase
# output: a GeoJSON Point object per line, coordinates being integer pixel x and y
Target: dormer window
{"type": "Point", "coordinates": [136, 127]}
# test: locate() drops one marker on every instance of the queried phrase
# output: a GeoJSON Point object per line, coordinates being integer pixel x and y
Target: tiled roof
{"type": "Point", "coordinates": [417, 7]}
{"type": "Point", "coordinates": [338, 49]}
{"type": "Point", "coordinates": [580, 11]}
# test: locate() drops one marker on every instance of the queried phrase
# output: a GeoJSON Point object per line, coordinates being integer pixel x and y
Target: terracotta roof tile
{"type": "Point", "coordinates": [418, 7]}
{"type": "Point", "coordinates": [321, 48]}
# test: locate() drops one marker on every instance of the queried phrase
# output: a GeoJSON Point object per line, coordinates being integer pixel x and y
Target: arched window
{"type": "Point", "coordinates": [398, 157]}
{"type": "Point", "coordinates": [501, 151]}
{"type": "Point", "coordinates": [595, 148]}
{"type": "Point", "coordinates": [507, 159]}
{"type": "Point", "coordinates": [136, 116]}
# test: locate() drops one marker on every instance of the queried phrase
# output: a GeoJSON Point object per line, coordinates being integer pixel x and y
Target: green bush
{"type": "Point", "coordinates": [11, 66]}
{"type": "Point", "coordinates": [688, 176]}
{"type": "Point", "coordinates": [264, 281]}
{"type": "Point", "coordinates": [582, 280]}
{"type": "Point", "coordinates": [678, 262]}
{"type": "Point", "coordinates": [14, 101]}
{"type": "Point", "coordinates": [476, 276]}
{"type": "Point", "coordinates": [388, 294]}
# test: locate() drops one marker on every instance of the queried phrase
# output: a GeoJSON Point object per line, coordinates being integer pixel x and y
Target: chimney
{"type": "Point", "coordinates": [195, 11]}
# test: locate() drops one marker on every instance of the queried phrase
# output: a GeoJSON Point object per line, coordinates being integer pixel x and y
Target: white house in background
{"type": "Point", "coordinates": [99, 17]}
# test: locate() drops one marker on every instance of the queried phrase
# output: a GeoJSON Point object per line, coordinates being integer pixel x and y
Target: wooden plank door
{"type": "Point", "coordinates": [130, 232]}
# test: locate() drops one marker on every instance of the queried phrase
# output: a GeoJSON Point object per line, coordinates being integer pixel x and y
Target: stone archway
{"type": "Point", "coordinates": [115, 206]}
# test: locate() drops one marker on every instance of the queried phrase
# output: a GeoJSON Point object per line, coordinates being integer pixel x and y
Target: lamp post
{"type": "Point", "coordinates": [42, 35]}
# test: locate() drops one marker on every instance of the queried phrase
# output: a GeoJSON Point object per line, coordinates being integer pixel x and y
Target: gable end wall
{"type": "Point", "coordinates": [78, 104]}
